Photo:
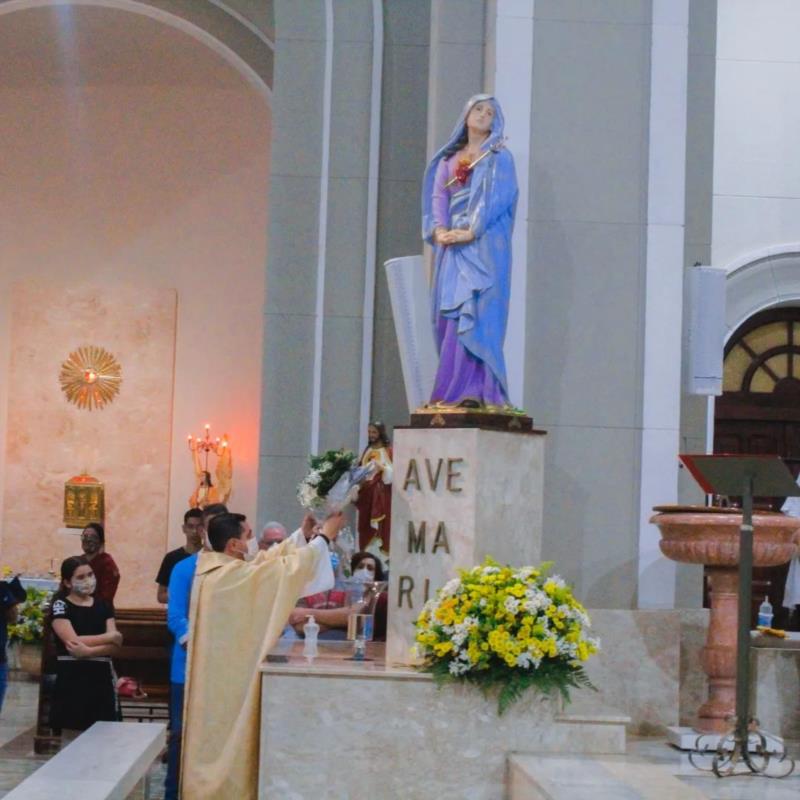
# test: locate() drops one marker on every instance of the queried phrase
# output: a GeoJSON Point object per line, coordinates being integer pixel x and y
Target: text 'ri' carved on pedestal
{"type": "Point", "coordinates": [434, 471]}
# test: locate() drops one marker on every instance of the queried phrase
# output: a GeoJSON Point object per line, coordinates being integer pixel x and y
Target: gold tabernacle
{"type": "Point", "coordinates": [84, 501]}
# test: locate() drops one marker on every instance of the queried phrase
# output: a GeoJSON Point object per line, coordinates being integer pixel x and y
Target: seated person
{"type": "Point", "coordinates": [330, 611]}
{"type": "Point", "coordinates": [367, 567]}
{"type": "Point", "coordinates": [271, 534]}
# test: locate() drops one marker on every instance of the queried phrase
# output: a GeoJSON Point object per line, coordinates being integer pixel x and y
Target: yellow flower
{"type": "Point", "coordinates": [442, 648]}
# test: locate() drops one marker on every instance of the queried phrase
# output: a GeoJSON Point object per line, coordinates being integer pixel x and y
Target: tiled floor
{"type": "Point", "coordinates": [17, 759]}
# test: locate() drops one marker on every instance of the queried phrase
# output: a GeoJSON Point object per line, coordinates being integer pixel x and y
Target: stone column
{"type": "Point", "coordinates": [459, 495]}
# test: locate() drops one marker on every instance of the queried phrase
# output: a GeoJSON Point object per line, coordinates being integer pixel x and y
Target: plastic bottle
{"type": "Point", "coordinates": [310, 630]}
{"type": "Point", "coordinates": [765, 614]}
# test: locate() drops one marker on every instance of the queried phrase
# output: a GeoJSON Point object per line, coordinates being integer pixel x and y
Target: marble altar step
{"type": "Point", "coordinates": [543, 777]}
{"type": "Point", "coordinates": [650, 770]}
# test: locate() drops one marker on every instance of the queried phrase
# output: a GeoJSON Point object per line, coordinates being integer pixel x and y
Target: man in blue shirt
{"type": "Point", "coordinates": [179, 595]}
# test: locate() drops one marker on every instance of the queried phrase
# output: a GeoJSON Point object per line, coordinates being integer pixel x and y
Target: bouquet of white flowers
{"type": "Point", "coordinates": [332, 482]}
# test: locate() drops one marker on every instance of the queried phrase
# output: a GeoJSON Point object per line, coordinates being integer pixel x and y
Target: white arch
{"type": "Point", "coordinates": [179, 23]}
{"type": "Point", "coordinates": [762, 279]}
{"type": "Point", "coordinates": [757, 281]}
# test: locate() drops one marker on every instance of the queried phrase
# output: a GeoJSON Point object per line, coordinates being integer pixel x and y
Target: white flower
{"type": "Point", "coordinates": [313, 478]}
{"type": "Point", "coordinates": [524, 660]}
{"type": "Point", "coordinates": [430, 606]}
{"type": "Point", "coordinates": [524, 574]}
{"type": "Point", "coordinates": [450, 588]}
{"type": "Point", "coordinates": [458, 667]}
{"type": "Point", "coordinates": [511, 605]}
{"type": "Point", "coordinates": [325, 466]}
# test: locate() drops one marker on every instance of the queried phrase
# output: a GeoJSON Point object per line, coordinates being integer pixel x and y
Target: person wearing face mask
{"type": "Point", "coordinates": [367, 567]}
{"type": "Point", "coordinates": [86, 637]}
{"type": "Point", "coordinates": [332, 616]}
{"type": "Point", "coordinates": [93, 544]}
{"type": "Point", "coordinates": [241, 600]}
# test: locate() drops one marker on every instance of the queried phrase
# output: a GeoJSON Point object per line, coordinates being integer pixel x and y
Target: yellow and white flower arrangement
{"type": "Point", "coordinates": [505, 630]}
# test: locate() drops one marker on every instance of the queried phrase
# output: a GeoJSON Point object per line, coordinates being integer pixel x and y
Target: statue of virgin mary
{"type": "Point", "coordinates": [469, 197]}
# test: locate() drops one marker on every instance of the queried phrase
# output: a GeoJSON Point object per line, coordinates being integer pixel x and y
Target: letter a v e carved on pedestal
{"type": "Point", "coordinates": [412, 474]}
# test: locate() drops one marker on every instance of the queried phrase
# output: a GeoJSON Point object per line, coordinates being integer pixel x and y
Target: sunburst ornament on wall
{"type": "Point", "coordinates": [90, 377]}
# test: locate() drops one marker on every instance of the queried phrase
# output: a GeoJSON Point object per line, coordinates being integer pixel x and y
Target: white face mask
{"type": "Point", "coordinates": [252, 549]}
{"type": "Point", "coordinates": [84, 587]}
{"type": "Point", "coordinates": [363, 575]}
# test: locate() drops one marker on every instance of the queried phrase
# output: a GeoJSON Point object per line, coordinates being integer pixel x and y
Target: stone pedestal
{"type": "Point", "coordinates": [458, 495]}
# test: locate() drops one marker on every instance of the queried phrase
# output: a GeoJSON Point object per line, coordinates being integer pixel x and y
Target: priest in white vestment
{"type": "Point", "coordinates": [241, 600]}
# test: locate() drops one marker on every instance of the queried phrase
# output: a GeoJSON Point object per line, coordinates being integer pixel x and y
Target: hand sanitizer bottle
{"type": "Point", "coordinates": [765, 614]}
{"type": "Point", "coordinates": [310, 629]}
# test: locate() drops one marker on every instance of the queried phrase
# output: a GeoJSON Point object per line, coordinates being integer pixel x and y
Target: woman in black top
{"type": "Point", "coordinates": [86, 638]}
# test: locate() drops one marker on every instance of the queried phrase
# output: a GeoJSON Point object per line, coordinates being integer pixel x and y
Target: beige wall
{"type": "Point", "coordinates": [132, 155]}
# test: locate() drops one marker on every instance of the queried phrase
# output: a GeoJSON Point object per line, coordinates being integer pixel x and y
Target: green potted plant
{"type": "Point", "coordinates": [28, 631]}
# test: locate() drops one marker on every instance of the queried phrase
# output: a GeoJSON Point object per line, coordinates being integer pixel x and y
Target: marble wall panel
{"type": "Point", "coordinates": [693, 683]}
{"type": "Point", "coordinates": [125, 445]}
{"type": "Point", "coordinates": [776, 690]}
{"type": "Point", "coordinates": [381, 737]}
{"type": "Point", "coordinates": [638, 669]}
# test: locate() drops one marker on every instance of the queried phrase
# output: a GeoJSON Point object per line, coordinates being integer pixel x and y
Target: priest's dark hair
{"type": "Point", "coordinates": [99, 530]}
{"type": "Point", "coordinates": [214, 509]}
{"type": "Point", "coordinates": [223, 528]}
{"type": "Point", "coordinates": [192, 513]}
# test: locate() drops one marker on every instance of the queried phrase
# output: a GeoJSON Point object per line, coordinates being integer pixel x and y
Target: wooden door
{"type": "Point", "coordinates": [759, 413]}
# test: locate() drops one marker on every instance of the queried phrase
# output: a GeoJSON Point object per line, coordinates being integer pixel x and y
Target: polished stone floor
{"type": "Point", "coordinates": [745, 787]}
{"type": "Point", "coordinates": [650, 770]}
{"type": "Point", "coordinates": [17, 759]}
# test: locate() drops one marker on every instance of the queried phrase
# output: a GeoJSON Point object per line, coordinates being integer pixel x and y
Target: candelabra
{"type": "Point", "coordinates": [202, 448]}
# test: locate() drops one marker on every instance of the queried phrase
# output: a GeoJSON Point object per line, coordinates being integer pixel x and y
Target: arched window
{"type": "Point", "coordinates": [763, 357]}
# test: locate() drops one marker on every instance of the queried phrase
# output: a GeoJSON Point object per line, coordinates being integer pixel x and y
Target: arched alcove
{"type": "Point", "coordinates": [247, 45]}
{"type": "Point", "coordinates": [135, 161]}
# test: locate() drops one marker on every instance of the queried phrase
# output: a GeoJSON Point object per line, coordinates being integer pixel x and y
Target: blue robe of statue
{"type": "Point", "coordinates": [471, 281]}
